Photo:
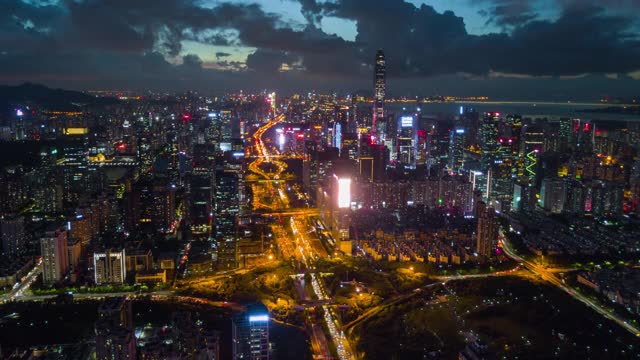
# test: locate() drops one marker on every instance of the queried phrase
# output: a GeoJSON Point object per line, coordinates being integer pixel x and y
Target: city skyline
{"type": "Point", "coordinates": [319, 179]}
{"type": "Point", "coordinates": [497, 48]}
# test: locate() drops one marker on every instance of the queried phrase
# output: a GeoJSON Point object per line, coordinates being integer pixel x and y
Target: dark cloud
{"type": "Point", "coordinates": [421, 42]}
{"type": "Point", "coordinates": [311, 11]}
{"type": "Point", "coordinates": [269, 61]}
{"type": "Point", "coordinates": [231, 65]}
{"type": "Point", "coordinates": [138, 42]}
{"type": "Point", "coordinates": [508, 13]}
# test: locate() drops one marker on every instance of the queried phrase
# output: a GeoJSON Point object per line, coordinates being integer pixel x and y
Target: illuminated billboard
{"type": "Point", "coordinates": [406, 121]}
{"type": "Point", "coordinates": [344, 192]}
{"type": "Point", "coordinates": [255, 318]}
{"type": "Point", "coordinates": [75, 131]}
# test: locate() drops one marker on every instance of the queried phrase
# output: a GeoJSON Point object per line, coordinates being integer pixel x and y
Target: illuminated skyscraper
{"type": "Point", "coordinates": [55, 260]}
{"type": "Point", "coordinates": [456, 150]}
{"type": "Point", "coordinates": [250, 333]}
{"type": "Point", "coordinates": [487, 232]}
{"type": "Point", "coordinates": [379, 89]}
{"type": "Point", "coordinates": [489, 139]}
{"type": "Point", "coordinates": [407, 140]}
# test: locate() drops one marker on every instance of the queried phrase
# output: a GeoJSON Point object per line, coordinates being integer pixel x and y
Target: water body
{"type": "Point", "coordinates": [526, 109]}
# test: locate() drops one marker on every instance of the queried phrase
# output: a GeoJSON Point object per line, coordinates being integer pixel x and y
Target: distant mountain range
{"type": "Point", "coordinates": [54, 99]}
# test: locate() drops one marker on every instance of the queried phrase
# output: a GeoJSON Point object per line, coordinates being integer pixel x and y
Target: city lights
{"type": "Point", "coordinates": [344, 192]}
{"type": "Point", "coordinates": [190, 211]}
{"type": "Point", "coordinates": [256, 318]}
{"type": "Point", "coordinates": [406, 121]}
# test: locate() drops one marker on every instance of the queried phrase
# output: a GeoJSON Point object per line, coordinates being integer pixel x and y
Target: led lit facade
{"type": "Point", "coordinates": [379, 92]}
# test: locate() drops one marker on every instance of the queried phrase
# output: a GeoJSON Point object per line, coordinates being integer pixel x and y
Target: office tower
{"type": "Point", "coordinates": [151, 202]}
{"type": "Point", "coordinates": [350, 146]}
{"type": "Point", "coordinates": [319, 165]}
{"type": "Point", "coordinates": [115, 339]}
{"type": "Point", "coordinates": [574, 197]}
{"type": "Point", "coordinates": [407, 140]}
{"type": "Point", "coordinates": [201, 189]}
{"type": "Point", "coordinates": [532, 146]}
{"type": "Point", "coordinates": [75, 165]}
{"type": "Point", "coordinates": [585, 136]}
{"type": "Point", "coordinates": [456, 150]}
{"type": "Point", "coordinates": [604, 199]}
{"type": "Point", "coordinates": [250, 331]}
{"type": "Point", "coordinates": [487, 233]}
{"type": "Point", "coordinates": [552, 195]}
{"type": "Point", "coordinates": [227, 207]}
{"type": "Point", "coordinates": [337, 136]}
{"type": "Point", "coordinates": [488, 139]}
{"type": "Point", "coordinates": [110, 267]}
{"type": "Point", "coordinates": [55, 256]}
{"type": "Point", "coordinates": [372, 162]}
{"type": "Point", "coordinates": [379, 93]}
{"type": "Point", "coordinates": [12, 235]}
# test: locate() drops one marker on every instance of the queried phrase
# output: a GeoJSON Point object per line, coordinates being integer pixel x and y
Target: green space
{"type": "Point", "coordinates": [516, 318]}
{"type": "Point", "coordinates": [100, 289]}
{"type": "Point", "coordinates": [269, 284]}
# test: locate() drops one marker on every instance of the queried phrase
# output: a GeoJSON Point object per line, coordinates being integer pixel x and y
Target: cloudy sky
{"type": "Point", "coordinates": [501, 48]}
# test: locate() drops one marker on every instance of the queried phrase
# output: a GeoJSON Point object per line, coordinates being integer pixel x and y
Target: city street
{"type": "Point", "coordinates": [273, 195]}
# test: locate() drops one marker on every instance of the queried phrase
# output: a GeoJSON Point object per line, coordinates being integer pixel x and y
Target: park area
{"type": "Point", "coordinates": [515, 317]}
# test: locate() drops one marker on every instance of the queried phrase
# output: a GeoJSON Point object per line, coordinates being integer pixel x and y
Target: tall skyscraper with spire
{"type": "Point", "coordinates": [379, 91]}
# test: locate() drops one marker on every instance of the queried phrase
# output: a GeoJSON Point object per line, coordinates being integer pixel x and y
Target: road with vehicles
{"type": "Point", "coordinates": [20, 288]}
{"type": "Point", "coordinates": [295, 237]}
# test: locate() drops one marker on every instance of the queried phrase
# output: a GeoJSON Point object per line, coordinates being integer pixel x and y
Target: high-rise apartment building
{"type": "Point", "coordinates": [55, 256]}
{"type": "Point", "coordinates": [487, 232]}
{"type": "Point", "coordinates": [110, 267]}
{"type": "Point", "coordinates": [12, 235]}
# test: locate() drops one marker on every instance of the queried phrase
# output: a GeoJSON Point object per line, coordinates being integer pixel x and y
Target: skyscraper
{"type": "Point", "coordinates": [251, 333]}
{"type": "Point", "coordinates": [55, 256]}
{"type": "Point", "coordinates": [487, 233]}
{"type": "Point", "coordinates": [379, 89]}
{"type": "Point", "coordinates": [456, 150]}
{"type": "Point", "coordinates": [12, 235]}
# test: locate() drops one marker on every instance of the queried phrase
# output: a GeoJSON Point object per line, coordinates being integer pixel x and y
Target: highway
{"type": "Point", "coordinates": [550, 277]}
{"type": "Point", "coordinates": [272, 195]}
{"type": "Point", "coordinates": [442, 280]}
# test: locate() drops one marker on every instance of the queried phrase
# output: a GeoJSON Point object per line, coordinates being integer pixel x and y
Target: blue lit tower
{"type": "Point", "coordinates": [250, 333]}
{"type": "Point", "coordinates": [379, 90]}
{"type": "Point", "coordinates": [456, 150]}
